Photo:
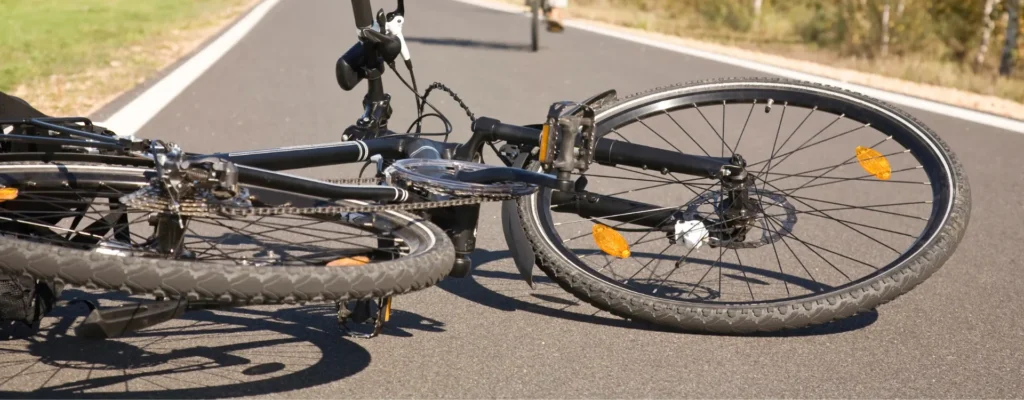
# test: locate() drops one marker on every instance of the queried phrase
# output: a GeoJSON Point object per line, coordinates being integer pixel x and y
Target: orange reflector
{"type": "Point", "coordinates": [544, 143]}
{"type": "Point", "coordinates": [387, 309]}
{"type": "Point", "coordinates": [874, 162]}
{"type": "Point", "coordinates": [349, 261]}
{"type": "Point", "coordinates": [610, 241]}
{"type": "Point", "coordinates": [8, 194]}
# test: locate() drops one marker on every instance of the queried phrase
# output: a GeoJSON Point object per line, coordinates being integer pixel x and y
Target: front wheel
{"type": "Point", "coordinates": [856, 203]}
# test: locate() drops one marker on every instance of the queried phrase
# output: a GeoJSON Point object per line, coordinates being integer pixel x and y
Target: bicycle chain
{"type": "Point", "coordinates": [153, 199]}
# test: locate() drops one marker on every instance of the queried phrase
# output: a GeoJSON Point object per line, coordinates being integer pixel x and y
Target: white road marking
{"type": "Point", "coordinates": [895, 98]}
{"type": "Point", "coordinates": [133, 116]}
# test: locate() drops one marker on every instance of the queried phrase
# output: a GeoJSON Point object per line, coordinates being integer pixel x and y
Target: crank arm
{"type": "Point", "coordinates": [112, 322]}
{"type": "Point", "coordinates": [507, 174]}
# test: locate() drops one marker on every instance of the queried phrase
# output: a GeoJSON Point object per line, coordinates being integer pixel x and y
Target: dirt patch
{"type": "Point", "coordinates": [946, 95]}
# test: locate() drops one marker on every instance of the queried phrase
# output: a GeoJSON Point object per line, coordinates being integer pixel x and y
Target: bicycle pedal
{"type": "Point", "coordinates": [357, 317]}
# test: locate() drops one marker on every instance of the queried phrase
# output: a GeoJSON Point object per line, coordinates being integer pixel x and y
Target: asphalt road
{"type": "Point", "coordinates": [957, 335]}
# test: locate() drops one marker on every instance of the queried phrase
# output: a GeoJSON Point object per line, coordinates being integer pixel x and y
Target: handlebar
{"type": "Point", "coordinates": [363, 12]}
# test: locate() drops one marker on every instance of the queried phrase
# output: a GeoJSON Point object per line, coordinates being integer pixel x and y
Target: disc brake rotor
{"type": "Point", "coordinates": [772, 228]}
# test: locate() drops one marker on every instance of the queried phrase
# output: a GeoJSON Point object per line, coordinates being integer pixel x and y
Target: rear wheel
{"type": "Point", "coordinates": [67, 223]}
{"type": "Point", "coordinates": [836, 232]}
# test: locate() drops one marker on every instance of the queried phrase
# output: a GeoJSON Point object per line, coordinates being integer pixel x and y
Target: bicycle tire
{"type": "Point", "coordinates": [828, 306]}
{"type": "Point", "coordinates": [534, 25]}
{"type": "Point", "coordinates": [429, 262]}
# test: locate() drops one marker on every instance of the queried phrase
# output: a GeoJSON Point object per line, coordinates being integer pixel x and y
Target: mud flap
{"type": "Point", "coordinates": [515, 234]}
{"type": "Point", "coordinates": [518, 244]}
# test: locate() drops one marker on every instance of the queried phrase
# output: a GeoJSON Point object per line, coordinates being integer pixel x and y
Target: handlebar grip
{"type": "Point", "coordinates": [363, 12]}
{"type": "Point", "coordinates": [506, 132]}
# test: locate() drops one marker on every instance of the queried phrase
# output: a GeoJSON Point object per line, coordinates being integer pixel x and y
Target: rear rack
{"type": "Point", "coordinates": [68, 132]}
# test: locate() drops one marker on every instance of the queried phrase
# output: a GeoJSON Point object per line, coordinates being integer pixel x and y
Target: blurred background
{"type": "Point", "coordinates": [70, 57]}
{"type": "Point", "coordinates": [966, 44]}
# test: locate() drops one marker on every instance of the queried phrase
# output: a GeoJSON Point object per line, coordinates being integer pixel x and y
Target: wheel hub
{"type": "Point", "coordinates": [767, 211]}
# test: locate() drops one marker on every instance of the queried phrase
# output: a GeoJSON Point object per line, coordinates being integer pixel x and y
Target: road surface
{"type": "Point", "coordinates": [957, 335]}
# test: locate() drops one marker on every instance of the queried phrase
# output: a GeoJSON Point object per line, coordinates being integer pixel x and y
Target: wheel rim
{"type": "Point", "coordinates": [736, 267]}
{"type": "Point", "coordinates": [85, 215]}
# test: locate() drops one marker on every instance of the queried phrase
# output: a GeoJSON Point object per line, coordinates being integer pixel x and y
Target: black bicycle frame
{"type": "Point", "coordinates": [263, 167]}
{"type": "Point", "coordinates": [365, 61]}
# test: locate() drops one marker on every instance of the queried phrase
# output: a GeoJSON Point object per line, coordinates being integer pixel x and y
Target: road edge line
{"type": "Point", "coordinates": [140, 110]}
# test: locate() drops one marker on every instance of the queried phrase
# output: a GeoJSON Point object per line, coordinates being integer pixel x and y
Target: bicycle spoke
{"type": "Point", "coordinates": [800, 147]}
{"type": "Point", "coordinates": [865, 208]}
{"type": "Point", "coordinates": [777, 259]}
{"type": "Point", "coordinates": [792, 236]}
{"type": "Point", "coordinates": [832, 169]}
{"type": "Point", "coordinates": [658, 134]}
{"type": "Point", "coordinates": [866, 178]}
{"type": "Point", "coordinates": [723, 131]}
{"type": "Point", "coordinates": [621, 135]}
{"type": "Point", "coordinates": [831, 251]}
{"type": "Point", "coordinates": [721, 250]}
{"type": "Point", "coordinates": [842, 223]}
{"type": "Point", "coordinates": [890, 155]}
{"type": "Point", "coordinates": [744, 272]}
{"type": "Point", "coordinates": [713, 129]}
{"type": "Point", "coordinates": [687, 133]}
{"type": "Point", "coordinates": [745, 122]}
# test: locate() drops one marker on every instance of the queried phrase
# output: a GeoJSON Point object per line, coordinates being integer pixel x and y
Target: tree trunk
{"type": "Point", "coordinates": [885, 30]}
{"type": "Point", "coordinates": [988, 24]}
{"type": "Point", "coordinates": [1012, 28]}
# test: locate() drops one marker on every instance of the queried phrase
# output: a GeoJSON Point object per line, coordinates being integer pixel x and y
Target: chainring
{"type": "Point", "coordinates": [438, 177]}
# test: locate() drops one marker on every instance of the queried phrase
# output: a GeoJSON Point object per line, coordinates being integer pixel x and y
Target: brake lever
{"type": "Point", "coordinates": [394, 27]}
{"type": "Point", "coordinates": [382, 21]}
{"type": "Point", "coordinates": [400, 11]}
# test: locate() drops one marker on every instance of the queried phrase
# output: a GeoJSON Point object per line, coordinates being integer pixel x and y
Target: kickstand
{"type": "Point", "coordinates": [361, 313]}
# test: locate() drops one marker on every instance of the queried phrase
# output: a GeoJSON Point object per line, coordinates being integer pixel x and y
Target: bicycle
{"type": "Point", "coordinates": [563, 207]}
{"type": "Point", "coordinates": [536, 7]}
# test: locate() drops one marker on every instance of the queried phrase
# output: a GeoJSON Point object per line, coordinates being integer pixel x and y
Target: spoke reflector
{"type": "Point", "coordinates": [874, 163]}
{"type": "Point", "coordinates": [349, 261]}
{"type": "Point", "coordinates": [8, 194]}
{"type": "Point", "coordinates": [610, 241]}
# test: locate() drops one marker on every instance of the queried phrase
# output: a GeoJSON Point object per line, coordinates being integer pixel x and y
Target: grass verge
{"type": "Point", "coordinates": [71, 57]}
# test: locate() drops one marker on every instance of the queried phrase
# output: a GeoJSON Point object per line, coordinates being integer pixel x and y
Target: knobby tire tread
{"type": "Point", "coordinates": [775, 317]}
{"type": "Point", "coordinates": [230, 283]}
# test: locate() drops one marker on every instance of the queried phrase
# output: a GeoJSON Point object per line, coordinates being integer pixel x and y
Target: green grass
{"type": "Point", "coordinates": [39, 38]}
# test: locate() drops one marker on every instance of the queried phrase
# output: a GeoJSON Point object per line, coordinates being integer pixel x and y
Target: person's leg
{"type": "Point", "coordinates": [554, 16]}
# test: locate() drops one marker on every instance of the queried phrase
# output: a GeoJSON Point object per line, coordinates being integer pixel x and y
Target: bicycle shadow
{"type": "Point", "coordinates": [559, 303]}
{"type": "Point", "coordinates": [241, 351]}
{"type": "Point", "coordinates": [469, 43]}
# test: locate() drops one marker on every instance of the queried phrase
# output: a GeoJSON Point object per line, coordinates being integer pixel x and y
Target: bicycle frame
{"type": "Point", "coordinates": [263, 167]}
{"type": "Point", "coordinates": [366, 60]}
